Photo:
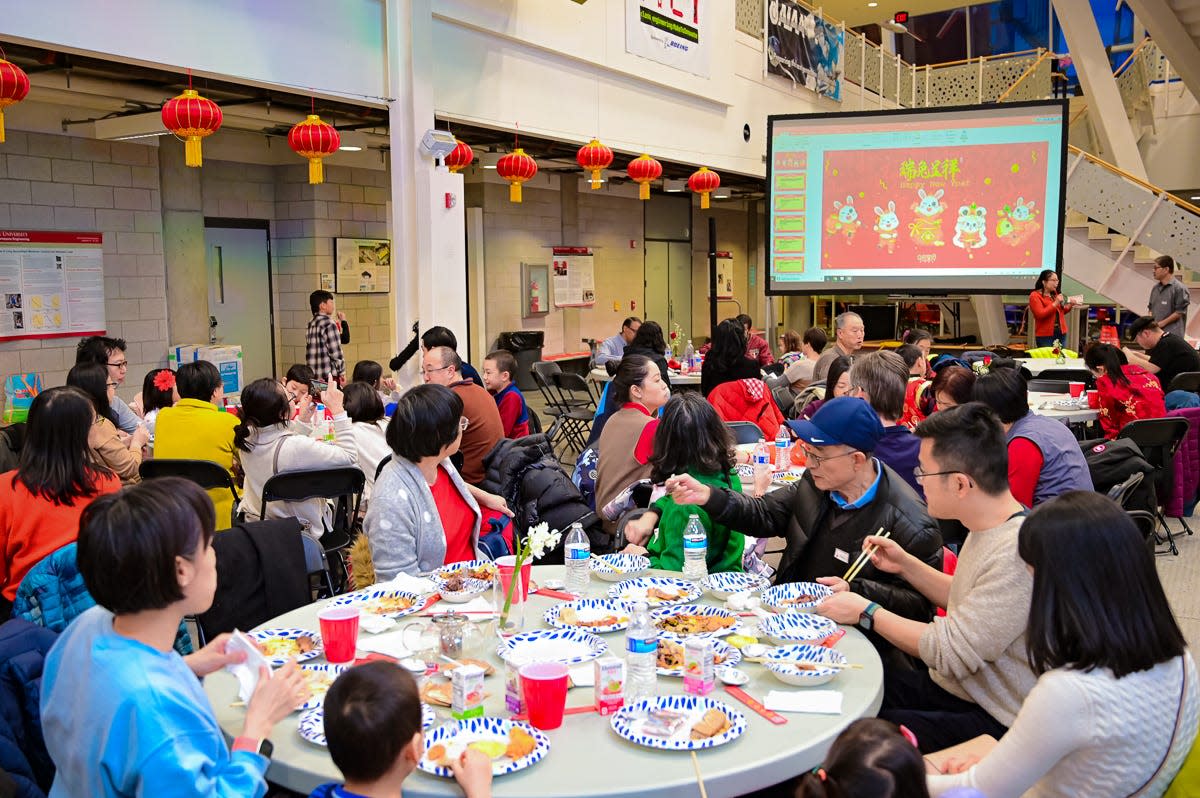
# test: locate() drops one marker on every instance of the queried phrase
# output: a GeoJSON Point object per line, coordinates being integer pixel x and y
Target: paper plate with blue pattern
{"type": "Point", "coordinates": [667, 722]}
{"type": "Point", "coordinates": [693, 620]}
{"type": "Point", "coordinates": [670, 656]}
{"type": "Point", "coordinates": [312, 723]}
{"type": "Point", "coordinates": [801, 665]}
{"type": "Point", "coordinates": [597, 616]}
{"type": "Point", "coordinates": [382, 601]}
{"type": "Point", "coordinates": [320, 678]}
{"type": "Point", "coordinates": [280, 646]}
{"type": "Point", "coordinates": [657, 591]}
{"type": "Point", "coordinates": [568, 646]}
{"type": "Point", "coordinates": [724, 585]}
{"type": "Point", "coordinates": [469, 569]}
{"type": "Point", "coordinates": [615, 567]}
{"type": "Point", "coordinates": [797, 627]}
{"type": "Point", "coordinates": [497, 738]}
{"type": "Point", "coordinates": [795, 596]}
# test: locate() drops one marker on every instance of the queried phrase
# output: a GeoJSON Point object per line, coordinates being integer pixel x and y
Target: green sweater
{"type": "Point", "coordinates": [725, 546]}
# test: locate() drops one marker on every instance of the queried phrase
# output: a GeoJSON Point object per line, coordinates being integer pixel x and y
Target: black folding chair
{"type": "Point", "coordinates": [1185, 381]}
{"type": "Point", "coordinates": [1159, 439]}
{"type": "Point", "coordinates": [572, 417]}
{"type": "Point", "coordinates": [745, 431]}
{"type": "Point", "coordinates": [317, 563]}
{"type": "Point", "coordinates": [205, 473]}
{"type": "Point", "coordinates": [344, 486]}
{"type": "Point", "coordinates": [1048, 386]}
{"type": "Point", "coordinates": [1070, 375]}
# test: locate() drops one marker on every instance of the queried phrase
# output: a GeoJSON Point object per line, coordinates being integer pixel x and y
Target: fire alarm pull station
{"type": "Point", "coordinates": [451, 200]}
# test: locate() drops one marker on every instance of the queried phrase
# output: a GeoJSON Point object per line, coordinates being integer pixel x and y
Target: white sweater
{"type": "Point", "coordinates": [1089, 734]}
{"type": "Point", "coordinates": [371, 442]}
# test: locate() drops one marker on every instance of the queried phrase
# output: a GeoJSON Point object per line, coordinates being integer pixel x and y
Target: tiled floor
{"type": "Point", "coordinates": [1180, 576]}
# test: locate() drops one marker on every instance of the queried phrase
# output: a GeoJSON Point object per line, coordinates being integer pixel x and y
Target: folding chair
{"type": "Point", "coordinates": [318, 566]}
{"type": "Point", "coordinates": [1048, 386]}
{"type": "Point", "coordinates": [1159, 439]}
{"type": "Point", "coordinates": [342, 485]}
{"type": "Point", "coordinates": [1070, 375]}
{"type": "Point", "coordinates": [205, 473]}
{"type": "Point", "coordinates": [572, 418]}
{"type": "Point", "coordinates": [1186, 381]}
{"type": "Point", "coordinates": [745, 431]}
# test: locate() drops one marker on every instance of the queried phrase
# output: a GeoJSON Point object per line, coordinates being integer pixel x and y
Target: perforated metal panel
{"type": "Point", "coordinates": [749, 17]}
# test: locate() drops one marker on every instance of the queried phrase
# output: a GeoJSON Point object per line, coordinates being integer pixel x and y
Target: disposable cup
{"type": "Point", "coordinates": [339, 632]}
{"type": "Point", "coordinates": [1093, 398]}
{"type": "Point", "coordinates": [506, 565]}
{"type": "Point", "coordinates": [545, 687]}
{"type": "Point", "coordinates": [1076, 389]}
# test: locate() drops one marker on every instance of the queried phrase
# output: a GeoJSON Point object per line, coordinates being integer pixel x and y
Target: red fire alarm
{"type": "Point", "coordinates": [901, 17]}
{"type": "Point", "coordinates": [449, 200]}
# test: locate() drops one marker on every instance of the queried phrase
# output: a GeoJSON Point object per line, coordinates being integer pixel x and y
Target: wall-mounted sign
{"type": "Point", "coordinates": [672, 32]}
{"type": "Point", "coordinates": [364, 265]}
{"type": "Point", "coordinates": [52, 284]}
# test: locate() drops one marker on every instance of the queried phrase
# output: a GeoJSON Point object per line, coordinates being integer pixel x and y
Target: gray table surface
{"type": "Point", "coordinates": [586, 756]}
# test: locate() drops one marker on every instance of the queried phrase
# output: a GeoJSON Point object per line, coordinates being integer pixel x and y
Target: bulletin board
{"type": "Point", "coordinates": [574, 277]}
{"type": "Point", "coordinates": [52, 284]}
{"type": "Point", "coordinates": [364, 265]}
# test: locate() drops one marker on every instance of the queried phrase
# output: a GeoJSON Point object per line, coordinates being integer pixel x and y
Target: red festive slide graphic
{"type": "Point", "coordinates": [955, 207]}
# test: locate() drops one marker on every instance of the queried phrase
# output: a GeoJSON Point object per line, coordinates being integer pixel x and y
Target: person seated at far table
{"type": "Point", "coordinates": [845, 495]}
{"type": "Point", "coordinates": [1115, 707]}
{"type": "Point", "coordinates": [649, 343]}
{"type": "Point", "coordinates": [1127, 392]}
{"type": "Point", "coordinates": [790, 344]}
{"type": "Point", "coordinates": [613, 348]}
{"type": "Point", "coordinates": [848, 332]}
{"type": "Point", "coordinates": [690, 439]}
{"type": "Point", "coordinates": [158, 393]}
{"type": "Point", "coordinates": [369, 427]}
{"type": "Point", "coordinates": [757, 348]}
{"type": "Point", "coordinates": [484, 429]}
{"type": "Point", "coordinates": [498, 370]}
{"type": "Point", "coordinates": [953, 386]}
{"type": "Point", "coordinates": [1166, 357]}
{"type": "Point", "coordinates": [837, 383]}
{"type": "Point", "coordinates": [978, 671]}
{"type": "Point", "coordinates": [122, 455]}
{"type": "Point", "coordinates": [1044, 458]}
{"type": "Point", "coordinates": [370, 372]}
{"type": "Point", "coordinates": [726, 361]}
{"type": "Point", "coordinates": [880, 378]}
{"type": "Point", "coordinates": [813, 344]}
{"type": "Point", "coordinates": [373, 730]}
{"type": "Point", "coordinates": [198, 428]}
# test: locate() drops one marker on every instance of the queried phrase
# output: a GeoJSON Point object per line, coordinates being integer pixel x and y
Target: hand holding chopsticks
{"type": "Point", "coordinates": [858, 564]}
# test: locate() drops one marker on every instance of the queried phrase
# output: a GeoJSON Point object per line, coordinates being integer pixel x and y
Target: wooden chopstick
{"type": "Point", "coordinates": [864, 557]}
{"type": "Point", "coordinates": [699, 777]}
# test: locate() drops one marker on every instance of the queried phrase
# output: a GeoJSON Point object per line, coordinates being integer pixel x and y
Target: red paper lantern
{"type": "Point", "coordinates": [516, 168]}
{"type": "Point", "coordinates": [191, 117]}
{"type": "Point", "coordinates": [594, 157]}
{"type": "Point", "coordinates": [314, 140]}
{"type": "Point", "coordinates": [460, 157]}
{"type": "Point", "coordinates": [14, 85]}
{"type": "Point", "coordinates": [704, 182]}
{"type": "Point", "coordinates": [644, 170]}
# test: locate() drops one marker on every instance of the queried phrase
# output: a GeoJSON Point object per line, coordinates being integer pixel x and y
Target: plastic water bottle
{"type": "Point", "coordinates": [783, 449]}
{"type": "Point", "coordinates": [689, 355]}
{"type": "Point", "coordinates": [695, 549]}
{"type": "Point", "coordinates": [576, 552]}
{"type": "Point", "coordinates": [641, 655]}
{"type": "Point", "coordinates": [762, 467]}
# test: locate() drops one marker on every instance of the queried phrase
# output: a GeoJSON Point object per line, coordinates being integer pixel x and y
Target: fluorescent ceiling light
{"type": "Point", "coordinates": [674, 186]}
{"type": "Point", "coordinates": [872, 5]}
{"type": "Point", "coordinates": [352, 140]}
{"type": "Point", "coordinates": [134, 126]}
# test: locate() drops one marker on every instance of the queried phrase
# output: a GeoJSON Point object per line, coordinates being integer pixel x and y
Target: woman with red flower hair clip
{"type": "Point", "coordinates": [158, 391]}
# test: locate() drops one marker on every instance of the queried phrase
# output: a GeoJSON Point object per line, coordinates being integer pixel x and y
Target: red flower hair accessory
{"type": "Point", "coordinates": [164, 380]}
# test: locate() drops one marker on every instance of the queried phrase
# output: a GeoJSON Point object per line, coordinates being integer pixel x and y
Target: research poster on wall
{"type": "Point", "coordinates": [52, 284]}
{"type": "Point", "coordinates": [574, 277]}
{"type": "Point", "coordinates": [805, 48]}
{"type": "Point", "coordinates": [672, 32]}
{"type": "Point", "coordinates": [364, 265]}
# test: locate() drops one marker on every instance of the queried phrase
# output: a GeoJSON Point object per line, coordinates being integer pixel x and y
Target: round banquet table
{"type": "Point", "coordinates": [599, 375]}
{"type": "Point", "coordinates": [586, 757]}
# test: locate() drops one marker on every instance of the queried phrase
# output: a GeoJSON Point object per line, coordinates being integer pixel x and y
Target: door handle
{"type": "Point", "coordinates": [220, 275]}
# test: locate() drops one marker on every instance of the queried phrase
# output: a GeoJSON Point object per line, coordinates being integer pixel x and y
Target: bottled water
{"type": "Point", "coordinates": [762, 467]}
{"type": "Point", "coordinates": [783, 449]}
{"type": "Point", "coordinates": [689, 356]}
{"type": "Point", "coordinates": [695, 549]}
{"type": "Point", "coordinates": [641, 655]}
{"type": "Point", "coordinates": [576, 552]}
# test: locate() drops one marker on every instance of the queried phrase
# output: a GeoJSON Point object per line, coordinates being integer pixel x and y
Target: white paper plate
{"type": "Point", "coordinates": [373, 600]}
{"type": "Point", "coordinates": [693, 609]}
{"type": "Point", "coordinates": [457, 734]}
{"type": "Point", "coordinates": [725, 656]}
{"type": "Point", "coordinates": [312, 723]}
{"type": "Point", "coordinates": [568, 646]}
{"type": "Point", "coordinates": [266, 637]}
{"type": "Point", "coordinates": [629, 722]}
{"type": "Point", "coordinates": [590, 610]}
{"type": "Point", "coordinates": [320, 678]}
{"type": "Point", "coordinates": [633, 590]}
{"type": "Point", "coordinates": [782, 598]}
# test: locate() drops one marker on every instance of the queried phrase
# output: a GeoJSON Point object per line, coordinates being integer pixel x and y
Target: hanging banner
{"type": "Point", "coordinates": [805, 48]}
{"type": "Point", "coordinates": [574, 277]}
{"type": "Point", "coordinates": [671, 32]}
{"type": "Point", "coordinates": [52, 284]}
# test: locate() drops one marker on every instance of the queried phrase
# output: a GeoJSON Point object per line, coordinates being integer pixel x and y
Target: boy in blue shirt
{"type": "Point", "coordinates": [373, 729]}
{"type": "Point", "coordinates": [498, 370]}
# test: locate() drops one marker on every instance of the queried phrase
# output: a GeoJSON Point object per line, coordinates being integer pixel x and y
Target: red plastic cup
{"type": "Point", "coordinates": [339, 633]}
{"type": "Point", "coordinates": [545, 686]}
{"type": "Point", "coordinates": [506, 565]}
{"type": "Point", "coordinates": [1076, 389]}
{"type": "Point", "coordinates": [1093, 398]}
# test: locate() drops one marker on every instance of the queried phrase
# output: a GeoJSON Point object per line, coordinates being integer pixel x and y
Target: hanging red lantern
{"type": "Point", "coordinates": [644, 170]}
{"type": "Point", "coordinates": [314, 140]}
{"type": "Point", "coordinates": [704, 182]}
{"type": "Point", "coordinates": [460, 157]}
{"type": "Point", "coordinates": [516, 168]}
{"type": "Point", "coordinates": [191, 117]}
{"type": "Point", "coordinates": [14, 85]}
{"type": "Point", "coordinates": [594, 157]}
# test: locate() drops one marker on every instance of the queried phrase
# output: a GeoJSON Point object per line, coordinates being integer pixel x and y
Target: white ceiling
{"type": "Point", "coordinates": [856, 12]}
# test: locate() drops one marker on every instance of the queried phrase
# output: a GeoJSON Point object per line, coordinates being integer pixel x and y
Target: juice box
{"type": "Point", "coordinates": [466, 692]}
{"type": "Point", "coordinates": [610, 684]}
{"type": "Point", "coordinates": [514, 698]}
{"type": "Point", "coordinates": [699, 668]}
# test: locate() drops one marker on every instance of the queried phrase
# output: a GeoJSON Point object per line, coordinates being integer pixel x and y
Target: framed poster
{"type": "Point", "coordinates": [724, 275]}
{"type": "Point", "coordinates": [364, 265]}
{"type": "Point", "coordinates": [52, 284]}
{"type": "Point", "coordinates": [574, 277]}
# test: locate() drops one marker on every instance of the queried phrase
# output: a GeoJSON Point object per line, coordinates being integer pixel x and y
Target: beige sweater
{"type": "Point", "coordinates": [977, 651]}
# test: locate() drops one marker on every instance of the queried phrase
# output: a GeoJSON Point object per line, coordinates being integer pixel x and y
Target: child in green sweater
{"type": "Point", "coordinates": [692, 438]}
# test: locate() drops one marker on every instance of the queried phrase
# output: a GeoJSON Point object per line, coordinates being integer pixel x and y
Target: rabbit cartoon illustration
{"type": "Point", "coordinates": [887, 225]}
{"type": "Point", "coordinates": [970, 231]}
{"type": "Point", "coordinates": [844, 220]}
{"type": "Point", "coordinates": [1017, 224]}
{"type": "Point", "coordinates": [926, 228]}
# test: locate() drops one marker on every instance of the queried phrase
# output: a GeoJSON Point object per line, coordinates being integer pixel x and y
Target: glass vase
{"type": "Point", "coordinates": [509, 605]}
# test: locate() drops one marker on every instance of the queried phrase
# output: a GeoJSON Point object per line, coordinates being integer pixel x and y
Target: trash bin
{"type": "Point", "coordinates": [526, 346]}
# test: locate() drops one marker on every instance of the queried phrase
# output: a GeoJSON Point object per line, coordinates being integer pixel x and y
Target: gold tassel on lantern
{"type": "Point", "coordinates": [316, 171]}
{"type": "Point", "coordinates": [1, 126]}
{"type": "Point", "coordinates": [644, 191]}
{"type": "Point", "coordinates": [514, 191]}
{"type": "Point", "coordinates": [192, 154]}
{"type": "Point", "coordinates": [704, 201]}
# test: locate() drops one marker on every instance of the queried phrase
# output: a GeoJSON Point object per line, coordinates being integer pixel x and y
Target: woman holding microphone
{"type": "Point", "coordinates": [1047, 305]}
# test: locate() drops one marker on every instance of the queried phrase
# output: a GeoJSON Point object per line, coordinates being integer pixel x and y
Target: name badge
{"type": "Point", "coordinates": [841, 556]}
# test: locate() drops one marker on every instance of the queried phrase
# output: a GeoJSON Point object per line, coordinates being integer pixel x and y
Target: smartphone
{"type": "Point", "coordinates": [318, 385]}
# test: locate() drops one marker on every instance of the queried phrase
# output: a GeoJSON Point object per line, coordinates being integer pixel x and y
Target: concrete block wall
{"type": "Point", "coordinates": [63, 183]}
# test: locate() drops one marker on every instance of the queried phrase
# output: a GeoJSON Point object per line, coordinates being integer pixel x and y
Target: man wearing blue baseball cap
{"type": "Point", "coordinates": [845, 495]}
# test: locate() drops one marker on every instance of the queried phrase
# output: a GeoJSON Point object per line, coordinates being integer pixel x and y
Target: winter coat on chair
{"type": "Point", "coordinates": [747, 400]}
{"type": "Point", "coordinates": [23, 649]}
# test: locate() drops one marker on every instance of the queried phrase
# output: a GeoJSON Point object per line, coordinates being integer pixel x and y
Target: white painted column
{"type": "Point", "coordinates": [1105, 108]}
{"type": "Point", "coordinates": [989, 310]}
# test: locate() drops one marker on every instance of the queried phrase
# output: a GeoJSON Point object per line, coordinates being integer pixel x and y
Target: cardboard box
{"type": "Point", "coordinates": [228, 360]}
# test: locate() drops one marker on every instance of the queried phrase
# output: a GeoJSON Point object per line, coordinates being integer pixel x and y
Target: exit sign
{"type": "Point", "coordinates": [901, 17]}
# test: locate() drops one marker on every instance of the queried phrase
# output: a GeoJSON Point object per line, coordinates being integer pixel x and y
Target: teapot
{"type": "Point", "coordinates": [450, 634]}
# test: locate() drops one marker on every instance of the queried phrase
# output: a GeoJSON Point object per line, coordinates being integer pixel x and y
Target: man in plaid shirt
{"type": "Point", "coordinates": [324, 338]}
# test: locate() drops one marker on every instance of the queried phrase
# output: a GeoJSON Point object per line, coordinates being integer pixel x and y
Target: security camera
{"type": "Point", "coordinates": [438, 144]}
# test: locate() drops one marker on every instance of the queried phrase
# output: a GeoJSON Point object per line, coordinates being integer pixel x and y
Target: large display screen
{"type": "Point", "coordinates": [947, 200]}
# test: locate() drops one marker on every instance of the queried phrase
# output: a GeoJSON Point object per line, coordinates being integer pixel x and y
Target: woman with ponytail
{"type": "Point", "coordinates": [1127, 392]}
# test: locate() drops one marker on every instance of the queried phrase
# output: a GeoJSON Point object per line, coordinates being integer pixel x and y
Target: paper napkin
{"type": "Point", "coordinates": [479, 604]}
{"type": "Point", "coordinates": [583, 676]}
{"type": "Point", "coordinates": [246, 672]}
{"type": "Point", "coordinates": [374, 624]}
{"type": "Point", "coordinates": [817, 702]}
{"type": "Point", "coordinates": [390, 644]}
{"type": "Point", "coordinates": [411, 584]}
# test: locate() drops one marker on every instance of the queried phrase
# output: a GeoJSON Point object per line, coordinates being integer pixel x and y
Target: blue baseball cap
{"type": "Point", "coordinates": [844, 421]}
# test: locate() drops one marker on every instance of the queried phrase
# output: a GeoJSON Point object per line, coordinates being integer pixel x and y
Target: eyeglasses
{"type": "Point", "coordinates": [427, 370]}
{"type": "Point", "coordinates": [463, 423]}
{"type": "Point", "coordinates": [921, 475]}
{"type": "Point", "coordinates": [815, 459]}
{"type": "Point", "coordinates": [124, 364]}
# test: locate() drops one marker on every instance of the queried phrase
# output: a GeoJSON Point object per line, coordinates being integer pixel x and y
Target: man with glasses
{"type": "Point", "coordinates": [441, 365]}
{"type": "Point", "coordinates": [1169, 298]}
{"type": "Point", "coordinates": [978, 673]}
{"type": "Point", "coordinates": [614, 348]}
{"type": "Point", "coordinates": [845, 495]}
{"type": "Point", "coordinates": [110, 353]}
